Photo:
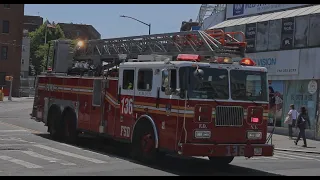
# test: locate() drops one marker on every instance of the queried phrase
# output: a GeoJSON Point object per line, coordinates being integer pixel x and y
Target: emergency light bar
{"type": "Point", "coordinates": [247, 62]}
{"type": "Point", "coordinates": [222, 60]}
{"type": "Point", "coordinates": [188, 57]}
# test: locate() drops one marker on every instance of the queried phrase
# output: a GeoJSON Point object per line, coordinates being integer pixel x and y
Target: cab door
{"type": "Point", "coordinates": [126, 90]}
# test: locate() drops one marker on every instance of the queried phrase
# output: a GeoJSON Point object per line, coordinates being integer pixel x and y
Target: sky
{"type": "Point", "coordinates": [164, 18]}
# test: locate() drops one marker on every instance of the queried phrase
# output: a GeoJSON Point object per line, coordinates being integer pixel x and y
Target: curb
{"type": "Point", "coordinates": [297, 150]}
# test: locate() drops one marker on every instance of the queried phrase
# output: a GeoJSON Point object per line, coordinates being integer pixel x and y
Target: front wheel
{"type": "Point", "coordinates": [221, 161]}
{"type": "Point", "coordinates": [143, 145]}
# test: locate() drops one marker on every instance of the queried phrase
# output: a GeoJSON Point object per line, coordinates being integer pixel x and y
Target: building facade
{"type": "Point", "coordinates": [25, 57]}
{"type": "Point", "coordinates": [79, 31]}
{"type": "Point", "coordinates": [31, 23]}
{"type": "Point", "coordinates": [11, 28]}
{"type": "Point", "coordinates": [285, 39]}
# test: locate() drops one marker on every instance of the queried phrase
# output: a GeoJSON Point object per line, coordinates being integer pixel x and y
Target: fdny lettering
{"type": "Point", "coordinates": [203, 126]}
{"type": "Point", "coordinates": [235, 150]}
{"type": "Point", "coordinates": [125, 131]}
{"type": "Point", "coordinates": [51, 87]}
{"type": "Point", "coordinates": [126, 106]}
{"type": "Point", "coordinates": [144, 93]}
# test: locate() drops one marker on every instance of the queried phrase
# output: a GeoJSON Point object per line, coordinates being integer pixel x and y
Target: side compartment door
{"type": "Point", "coordinates": [126, 99]}
{"type": "Point", "coordinates": [97, 107]}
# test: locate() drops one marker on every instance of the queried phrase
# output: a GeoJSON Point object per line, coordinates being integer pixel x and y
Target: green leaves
{"type": "Point", "coordinates": [39, 48]}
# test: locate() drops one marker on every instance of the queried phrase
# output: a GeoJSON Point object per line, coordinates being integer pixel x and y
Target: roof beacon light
{"type": "Point", "coordinates": [247, 62]}
{"type": "Point", "coordinates": [189, 57]}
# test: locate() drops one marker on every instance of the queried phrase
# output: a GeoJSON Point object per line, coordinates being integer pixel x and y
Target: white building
{"type": "Point", "coordinates": [25, 58]}
{"type": "Point", "coordinates": [284, 38]}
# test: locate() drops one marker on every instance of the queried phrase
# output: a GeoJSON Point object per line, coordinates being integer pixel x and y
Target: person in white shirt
{"type": "Point", "coordinates": [294, 115]}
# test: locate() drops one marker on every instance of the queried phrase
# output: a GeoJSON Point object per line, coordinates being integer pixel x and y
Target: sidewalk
{"type": "Point", "coordinates": [17, 99]}
{"type": "Point", "coordinates": [283, 143]}
{"type": "Point", "coordinates": [310, 134]}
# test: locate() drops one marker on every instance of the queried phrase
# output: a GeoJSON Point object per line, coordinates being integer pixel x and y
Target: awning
{"type": "Point", "coordinates": [270, 16]}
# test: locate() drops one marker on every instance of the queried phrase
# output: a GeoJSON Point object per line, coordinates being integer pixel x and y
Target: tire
{"type": "Point", "coordinates": [143, 145]}
{"type": "Point", "coordinates": [70, 127]}
{"type": "Point", "coordinates": [221, 161]}
{"type": "Point", "coordinates": [54, 125]}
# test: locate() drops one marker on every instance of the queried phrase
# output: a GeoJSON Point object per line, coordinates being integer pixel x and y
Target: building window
{"type": "Point", "coordinates": [5, 26]}
{"type": "Point", "coordinates": [2, 78]}
{"type": "Point", "coordinates": [4, 52]}
{"type": "Point", "coordinates": [22, 61]}
{"type": "Point", "coordinates": [6, 6]}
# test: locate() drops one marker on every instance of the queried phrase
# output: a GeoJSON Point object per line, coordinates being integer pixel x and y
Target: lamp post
{"type": "Point", "coordinates": [149, 25]}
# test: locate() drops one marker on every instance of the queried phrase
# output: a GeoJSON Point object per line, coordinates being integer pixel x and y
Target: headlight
{"type": "Point", "coordinates": [202, 134]}
{"type": "Point", "coordinates": [254, 135]}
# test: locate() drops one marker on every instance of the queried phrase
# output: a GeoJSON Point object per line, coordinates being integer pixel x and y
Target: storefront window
{"type": "Point", "coordinates": [297, 94]}
{"type": "Point", "coordinates": [276, 114]}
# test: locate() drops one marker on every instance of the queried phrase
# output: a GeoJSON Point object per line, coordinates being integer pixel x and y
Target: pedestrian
{"type": "Point", "coordinates": [302, 121]}
{"type": "Point", "coordinates": [291, 119]}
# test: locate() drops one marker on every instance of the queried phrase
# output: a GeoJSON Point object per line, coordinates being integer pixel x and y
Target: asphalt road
{"type": "Point", "coordinates": [26, 149]}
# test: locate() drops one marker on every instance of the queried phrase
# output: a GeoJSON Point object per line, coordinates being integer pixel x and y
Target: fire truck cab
{"type": "Point", "coordinates": [189, 104]}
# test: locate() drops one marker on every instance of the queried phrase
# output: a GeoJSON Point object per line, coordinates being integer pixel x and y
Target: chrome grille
{"type": "Point", "coordinates": [229, 116]}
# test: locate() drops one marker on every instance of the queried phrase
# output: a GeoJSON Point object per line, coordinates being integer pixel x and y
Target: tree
{"type": "Point", "coordinates": [38, 47]}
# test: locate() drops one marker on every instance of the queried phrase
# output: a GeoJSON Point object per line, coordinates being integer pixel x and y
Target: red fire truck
{"type": "Point", "coordinates": [165, 93]}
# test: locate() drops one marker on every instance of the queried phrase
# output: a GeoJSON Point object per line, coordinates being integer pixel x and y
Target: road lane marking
{"type": "Point", "coordinates": [16, 130]}
{"type": "Point", "coordinates": [283, 157]}
{"type": "Point", "coordinates": [257, 158]}
{"type": "Point", "coordinates": [12, 125]}
{"type": "Point", "coordinates": [47, 158]}
{"type": "Point", "coordinates": [69, 154]}
{"type": "Point", "coordinates": [20, 162]}
{"type": "Point", "coordinates": [299, 156]}
{"type": "Point", "coordinates": [302, 154]}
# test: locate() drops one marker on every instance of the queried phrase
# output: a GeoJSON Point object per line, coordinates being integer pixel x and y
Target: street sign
{"type": "Point", "coordinates": [9, 78]}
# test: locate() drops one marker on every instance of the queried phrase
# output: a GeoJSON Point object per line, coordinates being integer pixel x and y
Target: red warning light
{"type": "Point", "coordinates": [189, 57]}
{"type": "Point", "coordinates": [247, 62]}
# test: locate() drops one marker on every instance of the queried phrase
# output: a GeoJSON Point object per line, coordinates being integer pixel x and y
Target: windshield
{"type": "Point", "coordinates": [248, 85]}
{"type": "Point", "coordinates": [213, 85]}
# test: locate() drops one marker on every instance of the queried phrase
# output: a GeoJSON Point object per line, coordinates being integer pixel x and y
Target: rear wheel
{"type": "Point", "coordinates": [70, 129]}
{"type": "Point", "coordinates": [221, 161]}
{"type": "Point", "coordinates": [55, 127]}
{"type": "Point", "coordinates": [143, 145]}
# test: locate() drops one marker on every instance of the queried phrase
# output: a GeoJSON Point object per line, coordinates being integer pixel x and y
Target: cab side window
{"type": "Point", "coordinates": [145, 77]}
{"type": "Point", "coordinates": [128, 79]}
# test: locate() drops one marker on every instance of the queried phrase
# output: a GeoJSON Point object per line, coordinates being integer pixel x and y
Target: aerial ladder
{"type": "Point", "coordinates": [211, 43]}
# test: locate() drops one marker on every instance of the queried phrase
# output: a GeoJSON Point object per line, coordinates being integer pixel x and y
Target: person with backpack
{"type": "Point", "coordinates": [302, 121]}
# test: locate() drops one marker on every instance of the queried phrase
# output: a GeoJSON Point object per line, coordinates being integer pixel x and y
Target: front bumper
{"type": "Point", "coordinates": [246, 150]}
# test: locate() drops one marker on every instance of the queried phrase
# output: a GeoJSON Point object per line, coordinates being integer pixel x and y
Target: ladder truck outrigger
{"type": "Point", "coordinates": [176, 93]}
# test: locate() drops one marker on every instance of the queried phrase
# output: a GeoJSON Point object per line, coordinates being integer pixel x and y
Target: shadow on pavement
{"type": "Point", "coordinates": [172, 164]}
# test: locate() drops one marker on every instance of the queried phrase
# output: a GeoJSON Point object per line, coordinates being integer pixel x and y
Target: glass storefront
{"type": "Point", "coordinates": [296, 92]}
{"type": "Point", "coordinates": [276, 88]}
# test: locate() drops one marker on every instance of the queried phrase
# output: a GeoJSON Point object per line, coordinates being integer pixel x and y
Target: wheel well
{"type": "Point", "coordinates": [53, 111]}
{"type": "Point", "coordinates": [144, 122]}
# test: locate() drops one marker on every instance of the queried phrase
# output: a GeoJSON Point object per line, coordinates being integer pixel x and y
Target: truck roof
{"type": "Point", "coordinates": [161, 64]}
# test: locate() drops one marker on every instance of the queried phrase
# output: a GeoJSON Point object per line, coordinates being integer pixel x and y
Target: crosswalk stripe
{"type": "Point", "coordinates": [283, 157]}
{"type": "Point", "coordinates": [20, 162]}
{"type": "Point", "coordinates": [299, 157]}
{"type": "Point", "coordinates": [47, 158]}
{"type": "Point", "coordinates": [301, 154]}
{"type": "Point", "coordinates": [69, 154]}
